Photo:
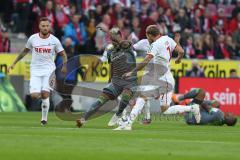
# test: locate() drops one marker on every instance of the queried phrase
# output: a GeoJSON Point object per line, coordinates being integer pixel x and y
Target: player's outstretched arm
{"type": "Point", "coordinates": [19, 57]}
{"type": "Point", "coordinates": [139, 66]}
{"type": "Point", "coordinates": [64, 57]}
{"type": "Point", "coordinates": [180, 52]}
{"type": "Point", "coordinates": [178, 48]}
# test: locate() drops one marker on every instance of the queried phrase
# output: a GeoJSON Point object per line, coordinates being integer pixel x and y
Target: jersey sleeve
{"type": "Point", "coordinates": [29, 43]}
{"type": "Point", "coordinates": [135, 53]}
{"type": "Point", "coordinates": [138, 46]}
{"type": "Point", "coordinates": [141, 45]}
{"type": "Point", "coordinates": [59, 47]}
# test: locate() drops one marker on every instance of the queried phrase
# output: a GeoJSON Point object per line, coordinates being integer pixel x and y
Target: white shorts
{"type": "Point", "coordinates": [153, 87]}
{"type": "Point", "coordinates": [167, 83]}
{"type": "Point", "coordinates": [165, 99]}
{"type": "Point", "coordinates": [39, 83]}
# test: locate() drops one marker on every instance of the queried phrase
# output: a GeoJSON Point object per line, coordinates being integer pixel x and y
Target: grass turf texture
{"type": "Point", "coordinates": [22, 137]}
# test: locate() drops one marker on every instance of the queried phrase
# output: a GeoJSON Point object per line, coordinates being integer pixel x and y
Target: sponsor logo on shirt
{"type": "Point", "coordinates": [42, 50]}
{"type": "Point", "coordinates": [113, 58]}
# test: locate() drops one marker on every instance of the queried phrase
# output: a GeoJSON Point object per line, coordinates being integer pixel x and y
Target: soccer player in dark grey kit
{"type": "Point", "coordinates": [210, 112]}
{"type": "Point", "coordinates": [122, 60]}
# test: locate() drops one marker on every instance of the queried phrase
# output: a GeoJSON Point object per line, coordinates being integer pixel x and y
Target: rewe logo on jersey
{"type": "Point", "coordinates": [43, 50]}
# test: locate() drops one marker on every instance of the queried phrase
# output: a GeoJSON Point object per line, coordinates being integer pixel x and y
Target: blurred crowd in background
{"type": "Point", "coordinates": [210, 29]}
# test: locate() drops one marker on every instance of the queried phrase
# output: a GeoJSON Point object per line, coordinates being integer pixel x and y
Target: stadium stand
{"type": "Point", "coordinates": [209, 28]}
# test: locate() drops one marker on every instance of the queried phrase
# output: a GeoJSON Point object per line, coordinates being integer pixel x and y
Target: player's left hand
{"type": "Point", "coordinates": [177, 61]}
{"type": "Point", "coordinates": [64, 69]}
{"type": "Point", "coordinates": [126, 75]}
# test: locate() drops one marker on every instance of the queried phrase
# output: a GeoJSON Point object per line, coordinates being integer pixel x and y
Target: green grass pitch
{"type": "Point", "coordinates": [22, 138]}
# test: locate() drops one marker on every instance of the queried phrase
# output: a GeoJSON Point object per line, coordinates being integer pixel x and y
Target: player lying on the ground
{"type": "Point", "coordinates": [159, 78]}
{"type": "Point", "coordinates": [163, 98]}
{"type": "Point", "coordinates": [122, 60]}
{"type": "Point", "coordinates": [43, 46]}
{"type": "Point", "coordinates": [209, 110]}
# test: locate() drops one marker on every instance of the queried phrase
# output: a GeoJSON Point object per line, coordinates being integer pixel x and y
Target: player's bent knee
{"type": "Point", "coordinates": [108, 96]}
{"type": "Point", "coordinates": [143, 97]}
{"type": "Point", "coordinates": [105, 97]}
{"type": "Point", "coordinates": [200, 95]}
{"type": "Point", "coordinates": [35, 95]}
{"type": "Point", "coordinates": [45, 94]}
{"type": "Point", "coordinates": [127, 95]}
{"type": "Point", "coordinates": [202, 92]}
{"type": "Point", "coordinates": [164, 108]}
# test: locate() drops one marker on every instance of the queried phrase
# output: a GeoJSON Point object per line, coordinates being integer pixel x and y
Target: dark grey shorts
{"type": "Point", "coordinates": [115, 90]}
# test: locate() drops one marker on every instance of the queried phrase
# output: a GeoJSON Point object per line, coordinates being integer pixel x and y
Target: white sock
{"type": "Point", "coordinates": [45, 107]}
{"type": "Point", "coordinates": [147, 110]}
{"type": "Point", "coordinates": [136, 109]}
{"type": "Point", "coordinates": [177, 109]}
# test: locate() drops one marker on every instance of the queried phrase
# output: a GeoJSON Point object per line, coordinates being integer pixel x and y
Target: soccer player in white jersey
{"type": "Point", "coordinates": [43, 46]}
{"type": "Point", "coordinates": [142, 47]}
{"type": "Point", "coordinates": [159, 75]}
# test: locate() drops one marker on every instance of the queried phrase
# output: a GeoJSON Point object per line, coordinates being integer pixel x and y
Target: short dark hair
{"type": "Point", "coordinates": [230, 119]}
{"type": "Point", "coordinates": [44, 19]}
{"type": "Point", "coordinates": [153, 30]}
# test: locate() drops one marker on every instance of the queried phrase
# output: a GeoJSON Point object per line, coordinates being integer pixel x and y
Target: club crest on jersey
{"type": "Point", "coordinates": [167, 44]}
{"type": "Point", "coordinates": [42, 50]}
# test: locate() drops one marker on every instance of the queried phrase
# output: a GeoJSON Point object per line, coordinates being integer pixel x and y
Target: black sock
{"type": "Point", "coordinates": [122, 105]}
{"type": "Point", "coordinates": [191, 94]}
{"type": "Point", "coordinates": [95, 106]}
{"type": "Point", "coordinates": [93, 109]}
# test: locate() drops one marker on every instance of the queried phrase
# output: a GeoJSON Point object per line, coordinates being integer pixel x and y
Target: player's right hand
{"type": "Point", "coordinates": [178, 61]}
{"type": "Point", "coordinates": [10, 68]}
{"type": "Point", "coordinates": [126, 75]}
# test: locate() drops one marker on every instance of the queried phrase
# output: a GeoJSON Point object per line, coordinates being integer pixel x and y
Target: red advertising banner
{"type": "Point", "coordinates": [226, 91]}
